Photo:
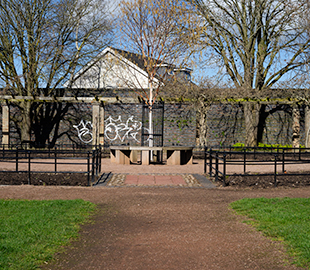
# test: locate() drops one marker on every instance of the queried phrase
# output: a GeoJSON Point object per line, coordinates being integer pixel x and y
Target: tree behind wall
{"type": "Point", "coordinates": [257, 43]}
{"type": "Point", "coordinates": [42, 44]}
{"type": "Point", "coordinates": [153, 29]}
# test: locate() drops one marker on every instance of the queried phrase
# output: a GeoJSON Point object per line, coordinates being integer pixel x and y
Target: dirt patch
{"type": "Point", "coordinates": [259, 181]}
{"type": "Point", "coordinates": [44, 179]}
{"type": "Point", "coordinates": [81, 179]}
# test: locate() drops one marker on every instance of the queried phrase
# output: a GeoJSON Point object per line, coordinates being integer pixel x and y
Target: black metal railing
{"type": "Point", "coordinates": [157, 134]}
{"type": "Point", "coordinates": [214, 158]}
{"type": "Point", "coordinates": [24, 159]}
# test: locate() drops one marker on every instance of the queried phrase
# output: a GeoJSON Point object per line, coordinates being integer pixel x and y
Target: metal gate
{"type": "Point", "coordinates": [152, 135]}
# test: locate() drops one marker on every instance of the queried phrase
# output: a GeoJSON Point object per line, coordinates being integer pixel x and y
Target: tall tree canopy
{"type": "Point", "coordinates": [42, 44]}
{"type": "Point", "coordinates": [153, 29]}
{"type": "Point", "coordinates": [258, 42]}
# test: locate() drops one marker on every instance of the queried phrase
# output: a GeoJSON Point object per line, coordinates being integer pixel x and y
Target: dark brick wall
{"type": "Point", "coordinates": [225, 125]}
{"type": "Point", "coordinates": [179, 124]}
{"type": "Point", "coordinates": [123, 124]}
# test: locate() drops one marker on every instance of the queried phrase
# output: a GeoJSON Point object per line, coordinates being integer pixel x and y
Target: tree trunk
{"type": "Point", "coordinates": [262, 123]}
{"type": "Point", "coordinates": [25, 125]}
{"type": "Point", "coordinates": [296, 126]}
{"type": "Point", "coordinates": [202, 125]}
{"type": "Point", "coordinates": [307, 126]}
{"type": "Point", "coordinates": [251, 121]}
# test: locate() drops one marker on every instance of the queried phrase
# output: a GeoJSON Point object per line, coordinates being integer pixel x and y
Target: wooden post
{"type": "Point", "coordinates": [5, 124]}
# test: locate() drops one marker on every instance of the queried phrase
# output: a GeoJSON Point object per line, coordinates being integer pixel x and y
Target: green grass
{"type": "Point", "coordinates": [32, 231]}
{"type": "Point", "coordinates": [284, 219]}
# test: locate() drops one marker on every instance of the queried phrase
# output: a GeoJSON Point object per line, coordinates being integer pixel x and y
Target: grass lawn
{"type": "Point", "coordinates": [32, 231]}
{"type": "Point", "coordinates": [285, 219]}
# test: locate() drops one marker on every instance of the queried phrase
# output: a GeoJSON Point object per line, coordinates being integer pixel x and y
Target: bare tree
{"type": "Point", "coordinates": [42, 44]}
{"type": "Point", "coordinates": [258, 43]}
{"type": "Point", "coordinates": [152, 29]}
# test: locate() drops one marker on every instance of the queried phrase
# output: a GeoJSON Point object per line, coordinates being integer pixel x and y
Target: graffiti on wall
{"type": "Point", "coordinates": [116, 129]}
{"type": "Point", "coordinates": [84, 130]}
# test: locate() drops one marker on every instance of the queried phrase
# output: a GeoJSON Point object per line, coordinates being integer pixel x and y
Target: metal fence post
{"type": "Point", "coordinates": [16, 165]}
{"type": "Point", "coordinates": [283, 161]}
{"type": "Point", "coordinates": [275, 170]}
{"type": "Point", "coordinates": [55, 159]}
{"type": "Point", "coordinates": [224, 170]}
{"type": "Point", "coordinates": [97, 161]}
{"type": "Point", "coordinates": [100, 157]}
{"type": "Point", "coordinates": [93, 166]}
{"type": "Point", "coordinates": [210, 163]}
{"type": "Point", "coordinates": [29, 168]}
{"type": "Point", "coordinates": [216, 167]}
{"type": "Point", "coordinates": [88, 169]}
{"type": "Point", "coordinates": [244, 160]}
{"type": "Point", "coordinates": [205, 159]}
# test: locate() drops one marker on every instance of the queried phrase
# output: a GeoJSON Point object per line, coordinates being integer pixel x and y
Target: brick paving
{"type": "Point", "coordinates": [154, 180]}
{"type": "Point", "coordinates": [173, 180]}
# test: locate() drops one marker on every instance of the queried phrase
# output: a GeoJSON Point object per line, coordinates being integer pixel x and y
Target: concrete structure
{"type": "Point", "coordinates": [176, 155]}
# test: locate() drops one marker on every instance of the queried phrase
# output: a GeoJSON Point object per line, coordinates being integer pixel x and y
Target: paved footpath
{"type": "Point", "coordinates": [163, 228]}
{"type": "Point", "coordinates": [162, 224]}
{"type": "Point", "coordinates": [155, 180]}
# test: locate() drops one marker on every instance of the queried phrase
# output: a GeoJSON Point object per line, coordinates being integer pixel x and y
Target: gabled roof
{"type": "Point", "coordinates": [139, 60]}
{"type": "Point", "coordinates": [133, 60]}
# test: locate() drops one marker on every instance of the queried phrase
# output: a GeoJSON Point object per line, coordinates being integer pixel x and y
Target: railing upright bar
{"type": "Point", "coordinates": [205, 160]}
{"type": "Point", "coordinates": [16, 163]}
{"type": "Point", "coordinates": [283, 160]}
{"type": "Point", "coordinates": [216, 167]}
{"type": "Point", "coordinates": [210, 163]}
{"type": "Point", "coordinates": [55, 154]}
{"type": "Point", "coordinates": [275, 170]}
{"type": "Point", "coordinates": [97, 161]}
{"type": "Point", "coordinates": [88, 169]}
{"type": "Point", "coordinates": [29, 167]}
{"type": "Point", "coordinates": [100, 158]}
{"type": "Point", "coordinates": [224, 170]}
{"type": "Point", "coordinates": [93, 166]}
{"type": "Point", "coordinates": [244, 160]}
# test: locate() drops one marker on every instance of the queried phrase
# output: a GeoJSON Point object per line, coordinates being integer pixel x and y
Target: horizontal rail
{"type": "Point", "coordinates": [214, 158]}
{"type": "Point", "coordinates": [91, 160]}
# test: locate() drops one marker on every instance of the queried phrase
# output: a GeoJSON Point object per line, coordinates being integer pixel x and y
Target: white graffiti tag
{"type": "Point", "coordinates": [115, 129]}
{"type": "Point", "coordinates": [84, 131]}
